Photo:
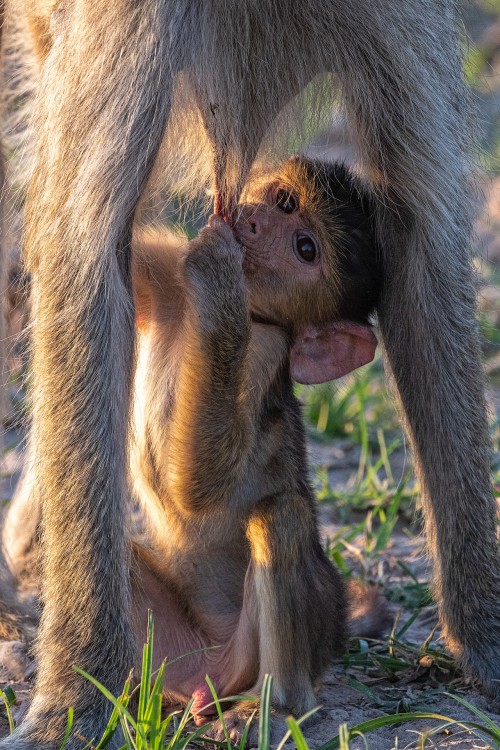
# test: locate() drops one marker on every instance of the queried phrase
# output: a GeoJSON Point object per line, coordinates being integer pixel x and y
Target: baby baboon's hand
{"type": "Point", "coordinates": [214, 257]}
{"type": "Point", "coordinates": [214, 279]}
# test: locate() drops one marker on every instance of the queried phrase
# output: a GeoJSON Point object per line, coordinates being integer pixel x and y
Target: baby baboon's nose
{"type": "Point", "coordinates": [258, 222]}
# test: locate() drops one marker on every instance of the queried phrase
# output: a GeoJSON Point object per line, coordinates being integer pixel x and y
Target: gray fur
{"type": "Point", "coordinates": [103, 106]}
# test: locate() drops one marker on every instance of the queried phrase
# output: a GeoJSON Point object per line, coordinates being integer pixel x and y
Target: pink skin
{"type": "Point", "coordinates": [230, 667]}
{"type": "Point", "coordinates": [265, 225]}
{"type": "Point", "coordinates": [203, 708]}
{"type": "Point", "coordinates": [330, 352]}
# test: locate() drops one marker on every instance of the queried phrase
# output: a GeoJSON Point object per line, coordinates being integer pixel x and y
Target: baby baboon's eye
{"type": "Point", "coordinates": [305, 248]}
{"type": "Point", "coordinates": [286, 201]}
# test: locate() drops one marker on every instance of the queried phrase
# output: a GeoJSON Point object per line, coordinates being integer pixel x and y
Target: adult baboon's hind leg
{"type": "Point", "coordinates": [103, 105]}
{"type": "Point", "coordinates": [405, 96]}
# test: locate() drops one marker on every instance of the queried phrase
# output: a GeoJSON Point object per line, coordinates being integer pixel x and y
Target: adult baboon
{"type": "Point", "coordinates": [116, 81]}
{"type": "Point", "coordinates": [230, 555]}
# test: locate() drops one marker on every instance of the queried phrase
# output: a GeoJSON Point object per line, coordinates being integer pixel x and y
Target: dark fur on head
{"type": "Point", "coordinates": [345, 207]}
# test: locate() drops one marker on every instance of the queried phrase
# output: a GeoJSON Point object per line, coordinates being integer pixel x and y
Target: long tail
{"type": "Point", "coordinates": [369, 615]}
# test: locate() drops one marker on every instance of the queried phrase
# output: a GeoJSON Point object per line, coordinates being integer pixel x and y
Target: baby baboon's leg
{"type": "Point", "coordinates": [19, 620]}
{"type": "Point", "coordinates": [294, 610]}
{"type": "Point", "coordinates": [103, 105]}
{"type": "Point", "coordinates": [21, 524]}
{"type": "Point", "coordinates": [402, 83]}
{"type": "Point", "coordinates": [299, 599]}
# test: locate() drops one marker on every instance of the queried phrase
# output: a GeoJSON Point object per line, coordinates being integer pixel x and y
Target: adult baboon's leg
{"type": "Point", "coordinates": [402, 83]}
{"type": "Point", "coordinates": [103, 105]}
{"type": "Point", "coordinates": [3, 258]}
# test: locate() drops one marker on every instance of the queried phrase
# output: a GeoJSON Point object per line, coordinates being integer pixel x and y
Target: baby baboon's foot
{"type": "Point", "coordinates": [236, 721]}
{"type": "Point", "coordinates": [203, 708]}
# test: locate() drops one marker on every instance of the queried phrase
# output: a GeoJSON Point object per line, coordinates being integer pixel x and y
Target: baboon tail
{"type": "Point", "coordinates": [369, 615]}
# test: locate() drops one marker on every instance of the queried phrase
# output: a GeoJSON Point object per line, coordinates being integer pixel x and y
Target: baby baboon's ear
{"type": "Point", "coordinates": [327, 352]}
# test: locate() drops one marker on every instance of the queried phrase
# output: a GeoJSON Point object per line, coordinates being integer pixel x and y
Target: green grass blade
{"type": "Point", "coordinates": [477, 712]}
{"type": "Point", "coordinates": [387, 526]}
{"type": "Point", "coordinates": [296, 733]}
{"type": "Point", "coordinates": [343, 737]}
{"type": "Point", "coordinates": [69, 727]}
{"type": "Point", "coordinates": [154, 724]}
{"type": "Point", "coordinates": [163, 730]}
{"type": "Point", "coordinates": [300, 721]}
{"type": "Point", "coordinates": [363, 429]}
{"type": "Point", "coordinates": [5, 698]}
{"type": "Point", "coordinates": [383, 721]}
{"type": "Point", "coordinates": [156, 690]}
{"type": "Point", "coordinates": [176, 739]}
{"type": "Point", "coordinates": [384, 455]}
{"type": "Point", "coordinates": [193, 737]}
{"type": "Point", "coordinates": [243, 741]}
{"type": "Point", "coordinates": [115, 717]}
{"type": "Point", "coordinates": [123, 711]}
{"type": "Point", "coordinates": [147, 668]}
{"type": "Point", "coordinates": [397, 636]}
{"type": "Point", "coordinates": [265, 713]}
{"type": "Point", "coordinates": [365, 690]}
{"type": "Point", "coordinates": [219, 712]}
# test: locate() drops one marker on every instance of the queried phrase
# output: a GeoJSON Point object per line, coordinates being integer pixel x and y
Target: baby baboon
{"type": "Point", "coordinates": [118, 80]}
{"type": "Point", "coordinates": [218, 455]}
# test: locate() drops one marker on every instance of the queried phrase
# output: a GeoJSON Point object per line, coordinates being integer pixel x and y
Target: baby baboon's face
{"type": "Point", "coordinates": [310, 256]}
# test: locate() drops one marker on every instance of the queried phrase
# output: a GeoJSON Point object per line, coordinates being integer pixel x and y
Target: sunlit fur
{"type": "Point", "coordinates": [218, 448]}
{"type": "Point", "coordinates": [121, 78]}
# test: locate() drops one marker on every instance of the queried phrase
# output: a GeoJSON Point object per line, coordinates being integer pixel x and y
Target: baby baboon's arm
{"type": "Point", "coordinates": [212, 425]}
